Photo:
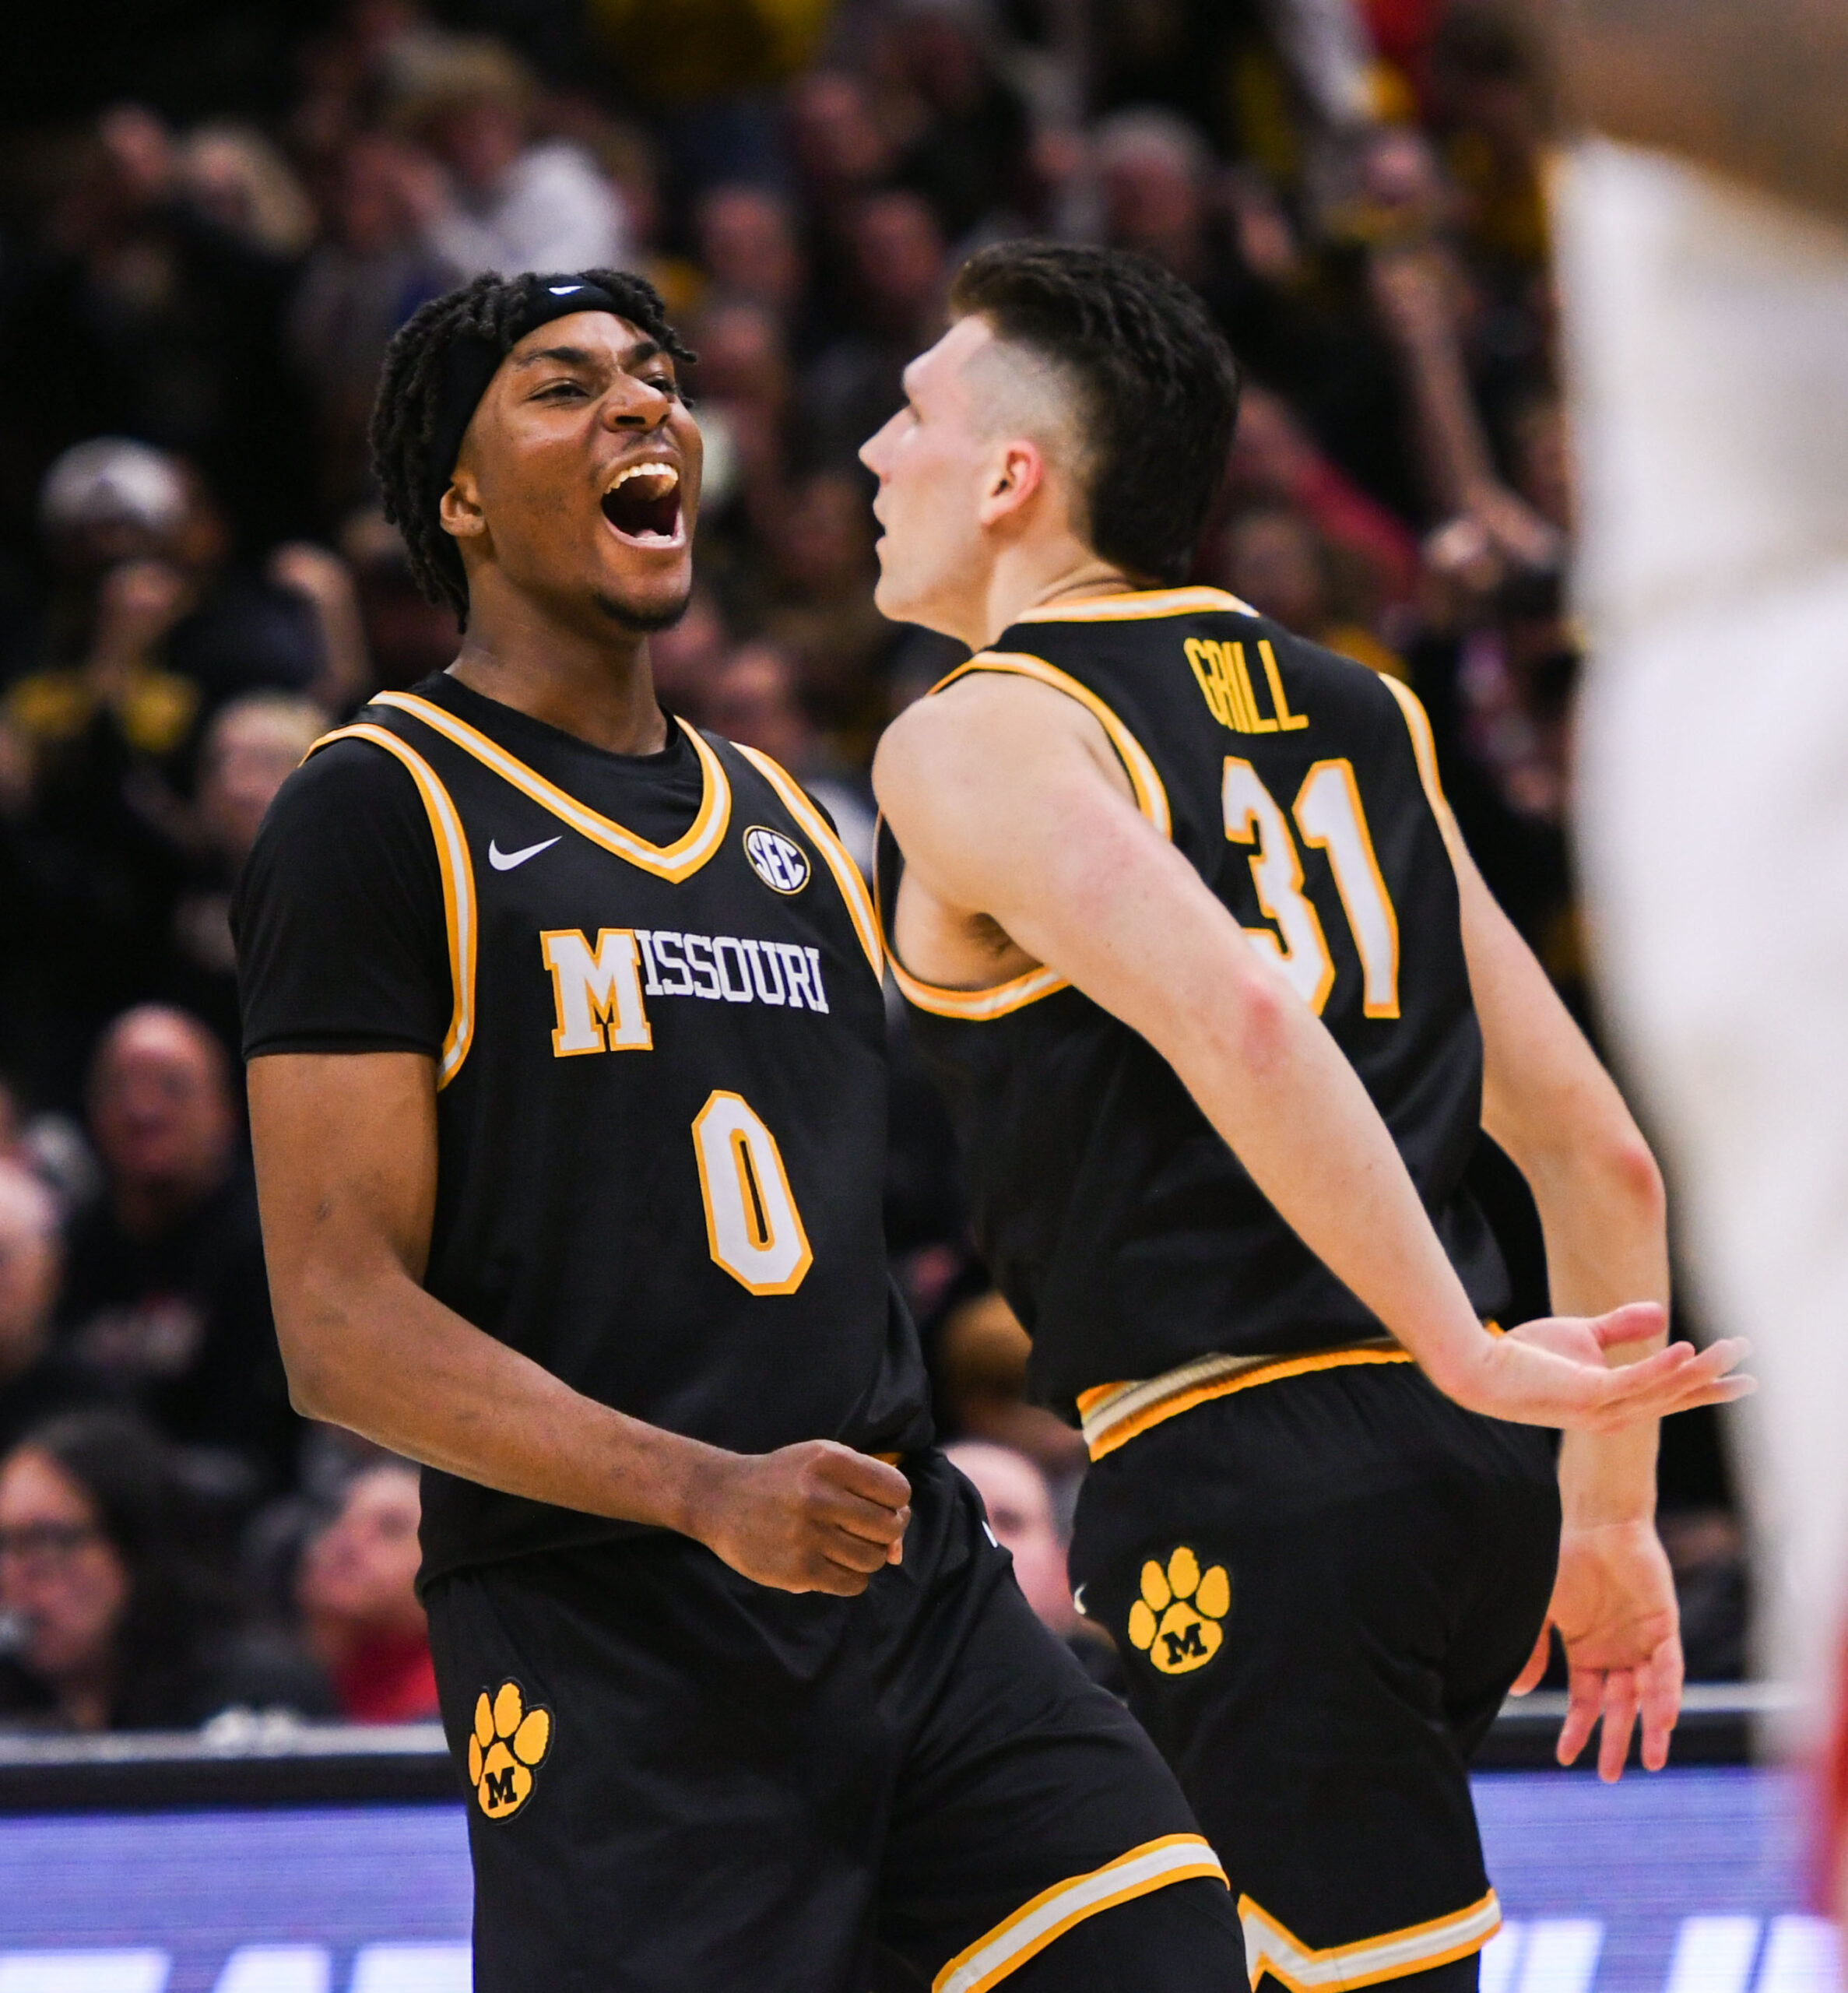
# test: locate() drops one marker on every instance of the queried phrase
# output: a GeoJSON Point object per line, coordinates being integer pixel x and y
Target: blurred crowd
{"type": "Point", "coordinates": [196, 287]}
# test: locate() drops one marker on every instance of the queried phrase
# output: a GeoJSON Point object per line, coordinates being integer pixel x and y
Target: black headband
{"type": "Point", "coordinates": [471, 361]}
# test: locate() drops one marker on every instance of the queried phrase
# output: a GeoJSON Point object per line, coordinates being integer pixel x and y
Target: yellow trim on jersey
{"type": "Point", "coordinates": [1113, 1414]}
{"type": "Point", "coordinates": [1141, 606]}
{"type": "Point", "coordinates": [1269, 1948]}
{"type": "Point", "coordinates": [674, 862]}
{"type": "Point", "coordinates": [1151, 798]}
{"type": "Point", "coordinates": [1173, 1858]}
{"type": "Point", "coordinates": [982, 1006]}
{"type": "Point", "coordinates": [976, 1006]}
{"type": "Point", "coordinates": [458, 870]}
{"type": "Point", "coordinates": [847, 874]}
{"type": "Point", "coordinates": [1417, 724]}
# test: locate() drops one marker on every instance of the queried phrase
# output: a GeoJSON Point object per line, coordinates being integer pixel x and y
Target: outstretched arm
{"type": "Point", "coordinates": [1554, 1109]}
{"type": "Point", "coordinates": [1754, 90]}
{"type": "Point", "coordinates": [346, 1170]}
{"type": "Point", "coordinates": [1009, 804]}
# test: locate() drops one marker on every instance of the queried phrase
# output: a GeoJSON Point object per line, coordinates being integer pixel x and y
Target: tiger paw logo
{"type": "Point", "coordinates": [507, 1746]}
{"type": "Point", "coordinates": [1175, 1622]}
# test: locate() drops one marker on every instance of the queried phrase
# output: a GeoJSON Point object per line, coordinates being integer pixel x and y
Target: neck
{"type": "Point", "coordinates": [598, 687]}
{"type": "Point", "coordinates": [1025, 577]}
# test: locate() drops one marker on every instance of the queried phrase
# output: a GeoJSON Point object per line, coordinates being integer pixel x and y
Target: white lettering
{"type": "Point", "coordinates": [699, 960]}
{"type": "Point", "coordinates": [760, 953]}
{"type": "Point", "coordinates": [413, 1968]}
{"type": "Point", "coordinates": [742, 993]}
{"type": "Point", "coordinates": [667, 947]}
{"type": "Point", "coordinates": [652, 983]}
{"type": "Point", "coordinates": [276, 1969]}
{"type": "Point", "coordinates": [598, 998]}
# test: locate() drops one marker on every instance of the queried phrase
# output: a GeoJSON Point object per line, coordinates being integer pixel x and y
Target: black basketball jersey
{"type": "Point", "coordinates": [1303, 789]}
{"type": "Point", "coordinates": [662, 1103]}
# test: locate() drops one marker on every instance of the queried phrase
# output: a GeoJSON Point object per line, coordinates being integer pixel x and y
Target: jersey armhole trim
{"type": "Point", "coordinates": [1423, 748]}
{"type": "Point", "coordinates": [971, 1006]}
{"type": "Point", "coordinates": [1151, 797]}
{"type": "Point", "coordinates": [982, 1006]}
{"type": "Point", "coordinates": [673, 862]}
{"type": "Point", "coordinates": [1002, 1951]}
{"type": "Point", "coordinates": [835, 855]}
{"type": "Point", "coordinates": [458, 871]}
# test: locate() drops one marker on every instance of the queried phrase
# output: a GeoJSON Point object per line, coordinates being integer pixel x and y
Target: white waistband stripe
{"type": "Point", "coordinates": [1175, 1858]}
{"type": "Point", "coordinates": [1269, 1948]}
{"type": "Point", "coordinates": [1114, 1409]}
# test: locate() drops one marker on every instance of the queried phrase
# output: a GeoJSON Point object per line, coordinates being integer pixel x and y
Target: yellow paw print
{"type": "Point", "coordinates": [507, 1745]}
{"type": "Point", "coordinates": [1175, 1622]}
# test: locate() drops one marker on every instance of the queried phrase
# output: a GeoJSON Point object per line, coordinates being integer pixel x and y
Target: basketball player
{"type": "Point", "coordinates": [1701, 218]}
{"type": "Point", "coordinates": [1136, 847]}
{"type": "Point", "coordinates": [567, 1087]}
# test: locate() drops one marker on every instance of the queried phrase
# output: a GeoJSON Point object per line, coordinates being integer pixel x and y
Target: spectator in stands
{"type": "Point", "coordinates": [754, 698]}
{"type": "Point", "coordinates": [374, 266]}
{"type": "Point", "coordinates": [250, 748]}
{"type": "Point", "coordinates": [144, 316]}
{"type": "Point", "coordinates": [894, 279]}
{"type": "Point", "coordinates": [37, 1379]}
{"type": "Point", "coordinates": [166, 1294]}
{"type": "Point", "coordinates": [1020, 1512]}
{"type": "Point", "coordinates": [516, 203]}
{"type": "Point", "coordinates": [112, 1622]}
{"type": "Point", "coordinates": [356, 1592]}
{"type": "Point", "coordinates": [749, 247]}
{"type": "Point", "coordinates": [981, 1353]}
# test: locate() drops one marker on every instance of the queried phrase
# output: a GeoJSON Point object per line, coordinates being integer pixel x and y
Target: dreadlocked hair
{"type": "Point", "coordinates": [491, 308]}
{"type": "Point", "coordinates": [1156, 385]}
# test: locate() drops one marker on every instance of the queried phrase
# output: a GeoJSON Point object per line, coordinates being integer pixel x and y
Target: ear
{"type": "Point", "coordinates": [459, 508]}
{"type": "Point", "coordinates": [1016, 471]}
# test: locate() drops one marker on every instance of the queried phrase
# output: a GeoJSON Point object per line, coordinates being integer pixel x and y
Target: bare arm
{"type": "Point", "coordinates": [1009, 804]}
{"type": "Point", "coordinates": [1554, 1109]}
{"type": "Point", "coordinates": [346, 1170]}
{"type": "Point", "coordinates": [1752, 87]}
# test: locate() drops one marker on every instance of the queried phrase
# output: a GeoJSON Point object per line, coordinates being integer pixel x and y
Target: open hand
{"type": "Point", "coordinates": [1613, 1604]}
{"type": "Point", "coordinates": [816, 1517]}
{"type": "Point", "coordinates": [1552, 1373]}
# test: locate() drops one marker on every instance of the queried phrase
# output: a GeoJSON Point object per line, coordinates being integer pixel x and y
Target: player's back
{"type": "Point", "coordinates": [1302, 788]}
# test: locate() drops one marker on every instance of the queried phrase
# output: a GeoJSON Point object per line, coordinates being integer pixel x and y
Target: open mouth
{"type": "Point", "coordinates": [644, 504]}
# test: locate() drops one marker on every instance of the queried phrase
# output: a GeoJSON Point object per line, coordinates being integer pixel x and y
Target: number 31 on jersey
{"type": "Point", "coordinates": [1328, 813]}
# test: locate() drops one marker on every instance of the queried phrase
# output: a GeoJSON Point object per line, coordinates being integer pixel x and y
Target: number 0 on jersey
{"type": "Point", "coordinates": [752, 1227]}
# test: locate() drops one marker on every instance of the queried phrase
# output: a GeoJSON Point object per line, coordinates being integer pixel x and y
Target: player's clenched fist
{"type": "Point", "coordinates": [813, 1517]}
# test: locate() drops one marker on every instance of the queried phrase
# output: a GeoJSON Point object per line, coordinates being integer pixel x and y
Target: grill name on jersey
{"type": "Point", "coordinates": [661, 1112]}
{"type": "Point", "coordinates": [1303, 789]}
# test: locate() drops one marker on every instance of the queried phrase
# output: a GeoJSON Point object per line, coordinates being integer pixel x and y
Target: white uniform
{"type": "Point", "coordinates": [1707, 329]}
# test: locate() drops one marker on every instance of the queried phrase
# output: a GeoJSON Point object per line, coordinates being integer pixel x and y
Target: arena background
{"type": "Point", "coordinates": [212, 218]}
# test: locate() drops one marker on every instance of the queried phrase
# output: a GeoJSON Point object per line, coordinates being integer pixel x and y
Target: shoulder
{"type": "Point", "coordinates": [351, 783]}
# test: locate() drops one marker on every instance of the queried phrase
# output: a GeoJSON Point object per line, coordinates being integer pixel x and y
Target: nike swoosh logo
{"type": "Point", "coordinates": [504, 861]}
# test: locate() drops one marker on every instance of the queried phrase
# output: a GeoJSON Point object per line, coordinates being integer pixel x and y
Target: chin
{"type": "Point", "coordinates": [656, 606]}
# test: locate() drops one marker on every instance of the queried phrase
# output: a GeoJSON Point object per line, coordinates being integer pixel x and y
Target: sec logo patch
{"type": "Point", "coordinates": [780, 862]}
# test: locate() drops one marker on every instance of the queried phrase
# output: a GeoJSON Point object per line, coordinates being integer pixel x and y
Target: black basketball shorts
{"type": "Point", "coordinates": [682, 1782]}
{"type": "Point", "coordinates": [1322, 1587]}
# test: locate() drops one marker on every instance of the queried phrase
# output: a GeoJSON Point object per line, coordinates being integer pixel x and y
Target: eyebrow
{"type": "Point", "coordinates": [637, 355]}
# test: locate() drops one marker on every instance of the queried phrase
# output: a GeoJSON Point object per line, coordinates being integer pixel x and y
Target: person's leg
{"type": "Point", "coordinates": [657, 1803]}
{"type": "Point", "coordinates": [1284, 1571]}
{"type": "Point", "coordinates": [1034, 1829]}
